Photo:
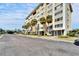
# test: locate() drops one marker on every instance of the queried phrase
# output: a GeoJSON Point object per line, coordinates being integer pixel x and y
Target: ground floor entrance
{"type": "Point", "coordinates": [54, 32]}
{"type": "Point", "coordinates": [58, 32]}
{"type": "Point", "coordinates": [41, 33]}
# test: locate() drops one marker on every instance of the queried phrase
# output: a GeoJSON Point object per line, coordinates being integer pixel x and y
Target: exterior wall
{"type": "Point", "coordinates": [58, 16]}
{"type": "Point", "coordinates": [61, 18]}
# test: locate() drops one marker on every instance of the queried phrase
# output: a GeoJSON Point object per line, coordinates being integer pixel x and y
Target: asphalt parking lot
{"type": "Point", "coordinates": [15, 45]}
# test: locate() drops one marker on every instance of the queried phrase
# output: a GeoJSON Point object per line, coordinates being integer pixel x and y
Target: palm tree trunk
{"type": "Point", "coordinates": [48, 29]}
{"type": "Point", "coordinates": [31, 30]}
{"type": "Point", "coordinates": [45, 29]}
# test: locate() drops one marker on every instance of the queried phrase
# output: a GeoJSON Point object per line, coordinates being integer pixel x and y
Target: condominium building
{"type": "Point", "coordinates": [61, 19]}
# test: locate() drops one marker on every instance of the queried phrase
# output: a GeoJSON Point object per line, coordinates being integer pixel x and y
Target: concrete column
{"type": "Point", "coordinates": [57, 33]}
{"type": "Point", "coordinates": [54, 33]}
{"type": "Point", "coordinates": [38, 32]}
{"type": "Point", "coordinates": [61, 32]}
{"type": "Point", "coordinates": [65, 32]}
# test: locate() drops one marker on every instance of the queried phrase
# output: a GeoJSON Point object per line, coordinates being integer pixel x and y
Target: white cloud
{"type": "Point", "coordinates": [14, 14]}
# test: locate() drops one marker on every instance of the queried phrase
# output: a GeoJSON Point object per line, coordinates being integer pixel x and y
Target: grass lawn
{"type": "Point", "coordinates": [67, 38]}
{"type": "Point", "coordinates": [63, 38]}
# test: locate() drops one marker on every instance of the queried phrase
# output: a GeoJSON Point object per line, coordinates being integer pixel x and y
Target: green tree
{"type": "Point", "coordinates": [33, 23]}
{"type": "Point", "coordinates": [49, 19]}
{"type": "Point", "coordinates": [26, 26]}
{"type": "Point", "coordinates": [2, 31]}
{"type": "Point", "coordinates": [43, 22]}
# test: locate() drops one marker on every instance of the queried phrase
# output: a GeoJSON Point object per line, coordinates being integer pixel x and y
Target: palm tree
{"type": "Point", "coordinates": [49, 19]}
{"type": "Point", "coordinates": [33, 23]}
{"type": "Point", "coordinates": [26, 26]}
{"type": "Point", "coordinates": [23, 29]}
{"type": "Point", "coordinates": [43, 22]}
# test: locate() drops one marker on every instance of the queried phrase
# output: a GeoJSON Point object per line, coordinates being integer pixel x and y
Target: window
{"type": "Point", "coordinates": [60, 12]}
{"type": "Point", "coordinates": [42, 9]}
{"type": "Point", "coordinates": [55, 8]}
{"type": "Point", "coordinates": [50, 27]}
{"type": "Point", "coordinates": [58, 6]}
{"type": "Point", "coordinates": [58, 25]}
{"type": "Point", "coordinates": [50, 6]}
{"type": "Point", "coordinates": [37, 16]}
{"type": "Point", "coordinates": [67, 14]}
{"type": "Point", "coordinates": [42, 13]}
{"type": "Point", "coordinates": [41, 4]}
{"type": "Point", "coordinates": [61, 4]}
{"type": "Point", "coordinates": [68, 9]}
{"type": "Point", "coordinates": [50, 11]}
{"type": "Point", "coordinates": [41, 27]}
{"type": "Point", "coordinates": [61, 25]}
{"type": "Point", "coordinates": [67, 26]}
{"type": "Point", "coordinates": [59, 19]}
{"type": "Point", "coordinates": [47, 3]}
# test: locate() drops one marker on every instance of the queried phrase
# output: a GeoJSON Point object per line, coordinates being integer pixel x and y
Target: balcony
{"type": "Point", "coordinates": [50, 28]}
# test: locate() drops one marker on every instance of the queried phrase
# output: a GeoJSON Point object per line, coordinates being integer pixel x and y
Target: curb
{"type": "Point", "coordinates": [49, 38]}
{"type": "Point", "coordinates": [55, 40]}
{"type": "Point", "coordinates": [52, 39]}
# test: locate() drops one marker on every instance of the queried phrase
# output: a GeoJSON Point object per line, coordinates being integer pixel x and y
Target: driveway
{"type": "Point", "coordinates": [15, 45]}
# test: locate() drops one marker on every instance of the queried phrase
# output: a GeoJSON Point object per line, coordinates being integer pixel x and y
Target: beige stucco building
{"type": "Point", "coordinates": [61, 18]}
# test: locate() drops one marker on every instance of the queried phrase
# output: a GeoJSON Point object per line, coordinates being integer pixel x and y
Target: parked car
{"type": "Point", "coordinates": [76, 42]}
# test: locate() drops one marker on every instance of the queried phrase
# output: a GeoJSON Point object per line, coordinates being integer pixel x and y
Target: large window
{"type": "Point", "coordinates": [59, 19]}
{"type": "Point", "coordinates": [59, 12]}
{"type": "Point", "coordinates": [41, 4]}
{"type": "Point", "coordinates": [67, 26]}
{"type": "Point", "coordinates": [47, 3]}
{"type": "Point", "coordinates": [50, 11]}
{"type": "Point", "coordinates": [50, 27]}
{"type": "Point", "coordinates": [58, 6]}
{"type": "Point", "coordinates": [37, 16]}
{"type": "Point", "coordinates": [50, 6]}
{"type": "Point", "coordinates": [41, 27]}
{"type": "Point", "coordinates": [58, 25]}
{"type": "Point", "coordinates": [42, 14]}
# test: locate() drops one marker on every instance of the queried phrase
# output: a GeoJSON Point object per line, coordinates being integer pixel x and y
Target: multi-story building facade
{"type": "Point", "coordinates": [61, 18]}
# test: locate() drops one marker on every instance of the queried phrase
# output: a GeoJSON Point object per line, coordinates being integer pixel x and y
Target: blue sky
{"type": "Point", "coordinates": [13, 15]}
{"type": "Point", "coordinates": [75, 16]}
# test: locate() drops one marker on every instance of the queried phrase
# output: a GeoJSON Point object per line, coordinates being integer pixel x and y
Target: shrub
{"type": "Point", "coordinates": [72, 34]}
{"type": "Point", "coordinates": [61, 36]}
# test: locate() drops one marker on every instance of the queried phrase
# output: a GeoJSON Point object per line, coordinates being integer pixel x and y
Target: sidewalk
{"type": "Point", "coordinates": [70, 39]}
{"type": "Point", "coordinates": [1, 36]}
